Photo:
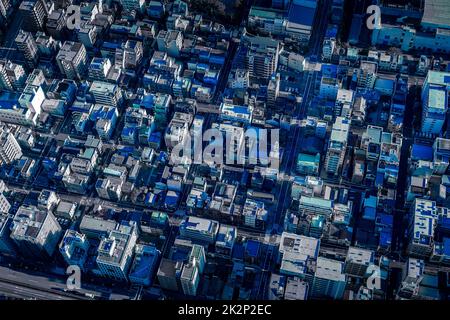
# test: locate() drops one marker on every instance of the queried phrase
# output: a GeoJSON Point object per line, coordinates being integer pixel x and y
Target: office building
{"type": "Point", "coordinates": [105, 93]}
{"type": "Point", "coordinates": [115, 252]}
{"type": "Point", "coordinates": [357, 261]}
{"type": "Point", "coordinates": [74, 248]}
{"type": "Point", "coordinates": [36, 232]}
{"type": "Point", "coordinates": [145, 264]}
{"type": "Point", "coordinates": [72, 60]}
{"type": "Point", "coordinates": [10, 149]}
{"type": "Point", "coordinates": [421, 229]}
{"type": "Point", "coordinates": [189, 279]}
{"type": "Point", "coordinates": [7, 245]}
{"type": "Point", "coordinates": [131, 5]}
{"type": "Point", "coordinates": [170, 41]}
{"type": "Point", "coordinates": [28, 47]}
{"type": "Point", "coordinates": [435, 101]}
{"type": "Point", "coordinates": [329, 279]}
{"type": "Point", "coordinates": [34, 13]}
{"type": "Point", "coordinates": [337, 146]}
{"type": "Point", "coordinates": [169, 273]}
{"type": "Point", "coordinates": [367, 74]}
{"type": "Point", "coordinates": [261, 56]}
{"type": "Point", "coordinates": [199, 229]}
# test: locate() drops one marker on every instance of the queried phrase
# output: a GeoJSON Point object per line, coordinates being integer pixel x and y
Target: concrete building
{"type": "Point", "coordinates": [337, 146]}
{"type": "Point", "coordinates": [130, 55]}
{"type": "Point", "coordinates": [261, 57]}
{"type": "Point", "coordinates": [7, 245]}
{"type": "Point", "coordinates": [435, 101]}
{"type": "Point", "coordinates": [367, 74]}
{"type": "Point", "coordinates": [115, 252]}
{"type": "Point", "coordinates": [255, 214]}
{"type": "Point", "coordinates": [145, 264]}
{"type": "Point", "coordinates": [225, 239]}
{"type": "Point", "coordinates": [357, 261]}
{"type": "Point", "coordinates": [34, 13]}
{"type": "Point", "coordinates": [169, 273]}
{"type": "Point", "coordinates": [72, 60]}
{"type": "Point", "coordinates": [433, 34]}
{"type": "Point", "coordinates": [106, 93]}
{"type": "Point", "coordinates": [99, 68]}
{"type": "Point", "coordinates": [199, 229]}
{"type": "Point", "coordinates": [74, 248]}
{"type": "Point", "coordinates": [12, 76]}
{"type": "Point", "coordinates": [421, 229]}
{"type": "Point", "coordinates": [10, 149]}
{"type": "Point", "coordinates": [95, 227]}
{"type": "Point", "coordinates": [329, 279]}
{"type": "Point", "coordinates": [28, 47]}
{"type": "Point", "coordinates": [131, 5]}
{"type": "Point", "coordinates": [267, 20]}
{"type": "Point", "coordinates": [189, 279]}
{"type": "Point", "coordinates": [412, 275]}
{"type": "Point", "coordinates": [36, 232]}
{"type": "Point", "coordinates": [170, 41]}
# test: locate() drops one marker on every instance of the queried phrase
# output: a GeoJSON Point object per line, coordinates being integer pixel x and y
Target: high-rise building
{"type": "Point", "coordinates": [36, 232]}
{"type": "Point", "coordinates": [115, 252]}
{"type": "Point", "coordinates": [190, 279]}
{"type": "Point", "coordinates": [169, 273]}
{"type": "Point", "coordinates": [441, 155]}
{"type": "Point", "coordinates": [357, 261]}
{"type": "Point", "coordinates": [5, 81]}
{"type": "Point", "coordinates": [10, 149]}
{"type": "Point", "coordinates": [5, 9]}
{"type": "Point", "coordinates": [106, 93]}
{"type": "Point", "coordinates": [344, 103]}
{"type": "Point", "coordinates": [261, 56]}
{"type": "Point", "coordinates": [34, 13]}
{"type": "Point", "coordinates": [74, 248]}
{"type": "Point", "coordinates": [28, 47]}
{"type": "Point", "coordinates": [12, 76]}
{"type": "Point", "coordinates": [130, 55]}
{"type": "Point", "coordinates": [7, 246]}
{"type": "Point", "coordinates": [199, 229]}
{"type": "Point", "coordinates": [411, 278]}
{"type": "Point", "coordinates": [273, 90]}
{"type": "Point", "coordinates": [170, 41]}
{"type": "Point", "coordinates": [367, 74]}
{"type": "Point", "coordinates": [197, 257]}
{"type": "Point", "coordinates": [130, 5]}
{"type": "Point", "coordinates": [337, 146]}
{"type": "Point", "coordinates": [72, 60]}
{"type": "Point", "coordinates": [145, 264]}
{"type": "Point", "coordinates": [329, 279]}
{"type": "Point", "coordinates": [99, 68]}
{"type": "Point", "coordinates": [56, 23]}
{"type": "Point", "coordinates": [435, 101]}
{"type": "Point", "coordinates": [421, 229]}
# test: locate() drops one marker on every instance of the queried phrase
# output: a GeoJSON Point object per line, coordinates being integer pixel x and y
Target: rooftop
{"type": "Point", "coordinates": [436, 13]}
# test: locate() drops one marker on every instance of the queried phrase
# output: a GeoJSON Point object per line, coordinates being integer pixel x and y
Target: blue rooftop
{"type": "Point", "coordinates": [301, 15]}
{"type": "Point", "coordinates": [252, 248]}
{"type": "Point", "coordinates": [421, 152]}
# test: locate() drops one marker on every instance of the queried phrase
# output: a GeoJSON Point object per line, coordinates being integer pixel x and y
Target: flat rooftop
{"type": "Point", "coordinates": [436, 13]}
